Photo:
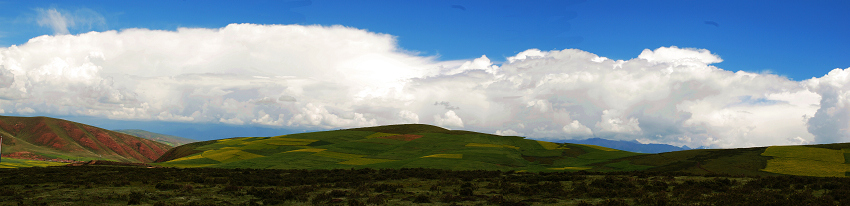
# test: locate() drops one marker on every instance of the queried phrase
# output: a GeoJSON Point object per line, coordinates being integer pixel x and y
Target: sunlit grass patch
{"type": "Point", "coordinates": [806, 167]}
{"type": "Point", "coordinates": [802, 152]}
{"type": "Point", "coordinates": [453, 156]}
{"type": "Point", "coordinates": [599, 147]}
{"type": "Point", "coordinates": [380, 134]}
{"type": "Point", "coordinates": [259, 147]}
{"type": "Point", "coordinates": [807, 161]}
{"type": "Point", "coordinates": [364, 161]}
{"type": "Point", "coordinates": [229, 155]}
{"type": "Point", "coordinates": [338, 155]}
{"type": "Point", "coordinates": [307, 150]}
{"type": "Point", "coordinates": [233, 141]}
{"type": "Point", "coordinates": [491, 145]}
{"type": "Point", "coordinates": [570, 168]}
{"type": "Point", "coordinates": [17, 163]}
{"type": "Point", "coordinates": [551, 145]}
{"type": "Point", "coordinates": [197, 156]}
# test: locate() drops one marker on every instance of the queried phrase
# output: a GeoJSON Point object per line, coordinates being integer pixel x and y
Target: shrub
{"type": "Point", "coordinates": [135, 198]}
{"type": "Point", "coordinates": [377, 199]}
{"type": "Point", "coordinates": [421, 198]}
{"type": "Point", "coordinates": [321, 198]}
{"type": "Point", "coordinates": [167, 186]}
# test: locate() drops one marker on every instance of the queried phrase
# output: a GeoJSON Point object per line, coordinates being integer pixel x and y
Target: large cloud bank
{"type": "Point", "coordinates": [337, 77]}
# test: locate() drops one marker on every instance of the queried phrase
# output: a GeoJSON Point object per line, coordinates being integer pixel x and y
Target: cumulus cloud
{"type": "Point", "coordinates": [450, 119]}
{"type": "Point", "coordinates": [831, 122]}
{"type": "Point", "coordinates": [324, 77]}
{"type": "Point", "coordinates": [575, 128]}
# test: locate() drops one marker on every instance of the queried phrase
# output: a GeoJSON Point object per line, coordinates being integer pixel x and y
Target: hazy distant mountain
{"type": "Point", "coordinates": [56, 138]}
{"type": "Point", "coordinates": [631, 146]}
{"type": "Point", "coordinates": [162, 138]}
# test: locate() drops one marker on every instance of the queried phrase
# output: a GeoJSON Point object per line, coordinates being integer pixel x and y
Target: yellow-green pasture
{"type": "Point", "coordinates": [451, 156]}
{"type": "Point", "coordinates": [17, 163]}
{"type": "Point", "coordinates": [364, 161]}
{"type": "Point", "coordinates": [491, 145]}
{"type": "Point", "coordinates": [570, 168]}
{"type": "Point", "coordinates": [599, 147]}
{"type": "Point", "coordinates": [338, 155]}
{"type": "Point", "coordinates": [307, 150]}
{"type": "Point", "coordinates": [806, 161]}
{"type": "Point", "coordinates": [551, 145]}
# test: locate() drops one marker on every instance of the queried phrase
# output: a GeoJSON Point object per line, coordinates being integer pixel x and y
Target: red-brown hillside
{"type": "Point", "coordinates": [62, 138]}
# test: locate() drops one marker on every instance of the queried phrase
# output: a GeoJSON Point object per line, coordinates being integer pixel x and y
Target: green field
{"type": "Point", "coordinates": [439, 148]}
{"type": "Point", "coordinates": [366, 148]}
{"type": "Point", "coordinates": [18, 163]}
{"type": "Point", "coordinates": [806, 161]}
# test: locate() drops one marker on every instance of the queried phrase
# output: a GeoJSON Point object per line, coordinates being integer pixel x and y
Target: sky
{"type": "Point", "coordinates": [718, 74]}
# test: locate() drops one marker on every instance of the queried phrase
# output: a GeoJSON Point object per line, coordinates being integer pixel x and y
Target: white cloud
{"type": "Point", "coordinates": [679, 56]}
{"type": "Point", "coordinates": [450, 119]}
{"type": "Point", "coordinates": [577, 129]}
{"type": "Point", "coordinates": [310, 77]}
{"type": "Point", "coordinates": [408, 116]}
{"type": "Point", "coordinates": [831, 122]}
{"type": "Point", "coordinates": [266, 119]}
{"type": "Point", "coordinates": [508, 132]}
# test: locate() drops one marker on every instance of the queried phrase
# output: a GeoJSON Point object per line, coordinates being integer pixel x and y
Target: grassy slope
{"type": "Point", "coordinates": [161, 138]}
{"type": "Point", "coordinates": [377, 147]}
{"type": "Point", "coordinates": [826, 160]}
{"type": "Point", "coordinates": [56, 138]}
{"type": "Point", "coordinates": [18, 163]}
{"type": "Point", "coordinates": [464, 150]}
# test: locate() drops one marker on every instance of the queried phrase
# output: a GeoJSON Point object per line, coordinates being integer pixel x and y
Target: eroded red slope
{"type": "Point", "coordinates": [49, 135]}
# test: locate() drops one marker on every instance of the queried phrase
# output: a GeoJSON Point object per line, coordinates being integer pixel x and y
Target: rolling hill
{"type": "Point", "coordinates": [393, 146]}
{"type": "Point", "coordinates": [426, 146]}
{"type": "Point", "coordinates": [161, 138]}
{"type": "Point", "coordinates": [51, 138]}
{"type": "Point", "coordinates": [825, 160]}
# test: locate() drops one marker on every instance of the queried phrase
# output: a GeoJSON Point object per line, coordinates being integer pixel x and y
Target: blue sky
{"type": "Point", "coordinates": [795, 41]}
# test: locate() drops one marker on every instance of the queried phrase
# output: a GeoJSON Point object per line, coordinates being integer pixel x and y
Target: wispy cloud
{"type": "Point", "coordinates": [61, 21]}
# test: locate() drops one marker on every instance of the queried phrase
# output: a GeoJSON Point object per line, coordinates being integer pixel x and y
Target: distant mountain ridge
{"type": "Point", "coordinates": [170, 140]}
{"type": "Point", "coordinates": [631, 146]}
{"type": "Point", "coordinates": [57, 138]}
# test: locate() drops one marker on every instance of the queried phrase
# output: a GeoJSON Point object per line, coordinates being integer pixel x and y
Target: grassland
{"type": "Point", "coordinates": [399, 146]}
{"type": "Point", "coordinates": [18, 163]}
{"type": "Point", "coordinates": [806, 161]}
{"type": "Point", "coordinates": [438, 148]}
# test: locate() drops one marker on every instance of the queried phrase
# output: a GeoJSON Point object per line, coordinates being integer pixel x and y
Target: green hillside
{"type": "Point", "coordinates": [393, 146]}
{"type": "Point", "coordinates": [426, 146]}
{"type": "Point", "coordinates": [826, 160]}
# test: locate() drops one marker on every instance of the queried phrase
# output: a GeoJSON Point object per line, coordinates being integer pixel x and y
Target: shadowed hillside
{"type": "Point", "coordinates": [61, 139]}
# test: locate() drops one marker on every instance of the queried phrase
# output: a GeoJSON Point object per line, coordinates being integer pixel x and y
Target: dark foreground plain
{"type": "Point", "coordinates": [113, 185]}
